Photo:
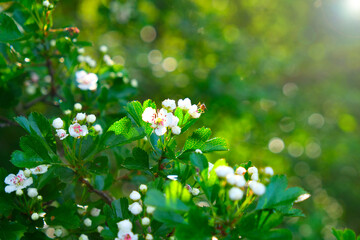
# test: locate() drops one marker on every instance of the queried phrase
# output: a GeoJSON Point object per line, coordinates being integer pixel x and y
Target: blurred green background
{"type": "Point", "coordinates": [279, 79]}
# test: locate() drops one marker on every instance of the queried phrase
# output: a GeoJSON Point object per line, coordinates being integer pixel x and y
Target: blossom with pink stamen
{"type": "Point", "coordinates": [76, 130]}
{"type": "Point", "coordinates": [159, 120]}
{"type": "Point", "coordinates": [86, 81]}
{"type": "Point", "coordinates": [16, 182]}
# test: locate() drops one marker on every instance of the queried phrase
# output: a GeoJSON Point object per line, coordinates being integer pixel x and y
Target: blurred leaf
{"type": "Point", "coordinates": [346, 234]}
{"type": "Point", "coordinates": [196, 227]}
{"type": "Point", "coordinates": [65, 215]}
{"type": "Point", "coordinates": [8, 29]}
{"type": "Point", "coordinates": [120, 207]}
{"type": "Point", "coordinates": [99, 165]}
{"type": "Point", "coordinates": [11, 230]}
{"type": "Point", "coordinates": [199, 161]}
{"type": "Point", "coordinates": [140, 160]}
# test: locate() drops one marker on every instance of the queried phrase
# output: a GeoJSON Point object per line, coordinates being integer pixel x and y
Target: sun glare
{"type": "Point", "coordinates": [353, 6]}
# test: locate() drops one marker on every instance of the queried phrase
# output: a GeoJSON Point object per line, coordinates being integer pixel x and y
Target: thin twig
{"type": "Point", "coordinates": [102, 194]}
{"type": "Point", "coordinates": [7, 122]}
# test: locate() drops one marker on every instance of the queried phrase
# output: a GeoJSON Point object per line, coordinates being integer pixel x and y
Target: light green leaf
{"type": "Point", "coordinates": [197, 139]}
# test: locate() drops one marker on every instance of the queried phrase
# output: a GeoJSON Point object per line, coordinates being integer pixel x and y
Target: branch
{"type": "Point", "coordinates": [102, 194]}
{"type": "Point", "coordinates": [36, 100]}
{"type": "Point", "coordinates": [7, 122]}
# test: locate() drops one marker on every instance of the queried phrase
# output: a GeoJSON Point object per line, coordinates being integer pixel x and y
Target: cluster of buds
{"type": "Point", "coordinates": [164, 118]}
{"type": "Point", "coordinates": [86, 81]}
{"type": "Point", "coordinates": [80, 125]}
{"type": "Point", "coordinates": [238, 182]}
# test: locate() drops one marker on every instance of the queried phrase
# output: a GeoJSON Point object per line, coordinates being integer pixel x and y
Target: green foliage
{"type": "Point", "coordinates": [346, 234]}
{"type": "Point", "coordinates": [8, 29]}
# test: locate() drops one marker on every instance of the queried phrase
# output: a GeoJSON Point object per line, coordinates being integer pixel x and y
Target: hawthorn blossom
{"type": "Point", "coordinates": [80, 116]}
{"type": "Point", "coordinates": [58, 123]}
{"type": "Point", "coordinates": [77, 106]}
{"type": "Point", "coordinates": [222, 171]}
{"type": "Point", "coordinates": [76, 130]}
{"type": "Point", "coordinates": [34, 216]}
{"type": "Point", "coordinates": [169, 104]}
{"type": "Point", "coordinates": [235, 194]}
{"type": "Point", "coordinates": [135, 208]}
{"type": "Point", "coordinates": [240, 170]}
{"type": "Point", "coordinates": [16, 182]}
{"type": "Point", "coordinates": [91, 118]}
{"type": "Point", "coordinates": [103, 48]}
{"type": "Point", "coordinates": [95, 212]}
{"type": "Point", "coordinates": [195, 191]}
{"type": "Point", "coordinates": [126, 236]}
{"type": "Point", "coordinates": [150, 210]}
{"type": "Point", "coordinates": [145, 221]}
{"type": "Point", "coordinates": [175, 129]}
{"type": "Point", "coordinates": [258, 188]}
{"type": "Point", "coordinates": [125, 231]}
{"type": "Point", "coordinates": [184, 104]}
{"type": "Point", "coordinates": [61, 133]}
{"type": "Point", "coordinates": [98, 129]}
{"type": "Point", "coordinates": [86, 81]}
{"type": "Point", "coordinates": [194, 111]}
{"type": "Point", "coordinates": [159, 120]}
{"type": "Point", "coordinates": [269, 171]}
{"type": "Point", "coordinates": [32, 192]}
{"type": "Point", "coordinates": [87, 222]}
{"type": "Point", "coordinates": [83, 237]}
{"type": "Point", "coordinates": [39, 169]}
{"type": "Point", "coordinates": [135, 196]}
{"type": "Point", "coordinates": [143, 188]}
{"type": "Point", "coordinates": [149, 237]}
{"type": "Point", "coordinates": [46, 3]}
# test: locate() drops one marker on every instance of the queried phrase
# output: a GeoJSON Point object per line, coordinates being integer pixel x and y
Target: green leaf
{"type": "Point", "coordinates": [110, 139]}
{"type": "Point", "coordinates": [215, 144]}
{"type": "Point", "coordinates": [140, 160]}
{"type": "Point", "coordinates": [277, 196]}
{"type": "Point", "coordinates": [21, 160]}
{"type": "Point", "coordinates": [121, 127]}
{"type": "Point", "coordinates": [8, 29]}
{"type": "Point", "coordinates": [65, 215]}
{"type": "Point", "coordinates": [120, 207]}
{"type": "Point", "coordinates": [197, 139]}
{"type": "Point", "coordinates": [11, 230]}
{"type": "Point", "coordinates": [346, 234]}
{"type": "Point", "coordinates": [199, 161]}
{"type": "Point", "coordinates": [197, 227]}
{"type": "Point", "coordinates": [99, 165]}
{"type": "Point", "coordinates": [171, 219]}
{"type": "Point", "coordinates": [135, 110]}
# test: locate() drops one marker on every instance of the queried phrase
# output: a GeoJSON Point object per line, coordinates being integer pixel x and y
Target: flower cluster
{"type": "Point", "coordinates": [86, 81]}
{"type": "Point", "coordinates": [238, 182]}
{"type": "Point", "coordinates": [164, 118]}
{"type": "Point", "coordinates": [79, 126]}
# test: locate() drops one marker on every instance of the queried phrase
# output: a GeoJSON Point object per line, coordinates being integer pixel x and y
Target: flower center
{"type": "Point", "coordinates": [17, 180]}
{"type": "Point", "coordinates": [159, 121]}
{"type": "Point", "coordinates": [127, 237]}
{"type": "Point", "coordinates": [77, 129]}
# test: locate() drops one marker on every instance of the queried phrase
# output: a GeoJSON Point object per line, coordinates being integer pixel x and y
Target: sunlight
{"type": "Point", "coordinates": [353, 6]}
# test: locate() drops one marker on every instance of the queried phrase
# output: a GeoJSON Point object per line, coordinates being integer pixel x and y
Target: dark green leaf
{"type": "Point", "coordinates": [8, 29]}
{"type": "Point", "coordinates": [120, 207]}
{"type": "Point", "coordinates": [199, 161]}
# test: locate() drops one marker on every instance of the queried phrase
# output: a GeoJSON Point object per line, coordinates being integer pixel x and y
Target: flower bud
{"type": "Point", "coordinates": [98, 128]}
{"type": "Point", "coordinates": [255, 176]}
{"type": "Point", "coordinates": [32, 192]}
{"type": "Point", "coordinates": [125, 225]}
{"type": "Point", "coordinates": [19, 192]}
{"type": "Point", "coordinates": [145, 221]}
{"type": "Point", "coordinates": [143, 188]}
{"type": "Point", "coordinates": [103, 48]}
{"type": "Point", "coordinates": [240, 170]}
{"type": "Point", "coordinates": [195, 191]}
{"type": "Point", "coordinates": [80, 116]}
{"type": "Point", "coordinates": [81, 50]}
{"type": "Point", "coordinates": [222, 171]}
{"type": "Point", "coordinates": [235, 194]}
{"type": "Point", "coordinates": [87, 222]}
{"type": "Point", "coordinates": [135, 208]}
{"type": "Point", "coordinates": [40, 198]}
{"type": "Point", "coordinates": [67, 112]}
{"type": "Point", "coordinates": [100, 228]}
{"type": "Point", "coordinates": [149, 237]}
{"type": "Point", "coordinates": [176, 130]}
{"type": "Point", "coordinates": [91, 118]}
{"type": "Point", "coordinates": [269, 171]}
{"type": "Point", "coordinates": [198, 151]}
{"type": "Point", "coordinates": [58, 232]}
{"type": "Point", "coordinates": [252, 170]}
{"type": "Point", "coordinates": [169, 104]}
{"type": "Point", "coordinates": [83, 237]}
{"type": "Point", "coordinates": [258, 188]}
{"type": "Point", "coordinates": [95, 212]}
{"type": "Point", "coordinates": [27, 173]}
{"type": "Point", "coordinates": [135, 196]}
{"type": "Point", "coordinates": [150, 210]}
{"type": "Point", "coordinates": [58, 123]}
{"type": "Point", "coordinates": [46, 3]}
{"type": "Point", "coordinates": [77, 107]}
{"type": "Point", "coordinates": [34, 216]}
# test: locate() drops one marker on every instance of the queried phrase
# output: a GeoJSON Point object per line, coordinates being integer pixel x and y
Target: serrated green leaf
{"type": "Point", "coordinates": [65, 215]}
{"type": "Point", "coordinates": [197, 139]}
{"type": "Point", "coordinates": [21, 160]}
{"type": "Point", "coordinates": [199, 161]}
{"type": "Point", "coordinates": [140, 160]}
{"type": "Point", "coordinates": [120, 207]}
{"type": "Point", "coordinates": [121, 127]}
{"type": "Point", "coordinates": [8, 29]}
{"type": "Point", "coordinates": [215, 144]}
{"type": "Point", "coordinates": [135, 110]}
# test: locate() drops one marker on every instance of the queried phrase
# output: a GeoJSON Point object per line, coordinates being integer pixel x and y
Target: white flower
{"type": "Point", "coordinates": [134, 83]}
{"type": "Point", "coordinates": [46, 3]}
{"type": "Point", "coordinates": [149, 237]}
{"type": "Point", "coordinates": [125, 225]}
{"type": "Point", "coordinates": [76, 130]}
{"type": "Point", "coordinates": [80, 116]}
{"type": "Point", "coordinates": [80, 58]}
{"type": "Point", "coordinates": [258, 188]}
{"type": "Point", "coordinates": [58, 232]}
{"type": "Point", "coordinates": [103, 48]}
{"type": "Point", "coordinates": [194, 111]}
{"type": "Point", "coordinates": [40, 198]}
{"type": "Point", "coordinates": [100, 228]}
{"type": "Point", "coordinates": [222, 171]}
{"type": "Point", "coordinates": [240, 181]}
{"type": "Point", "coordinates": [58, 123]}
{"type": "Point", "coordinates": [98, 129]}
{"type": "Point", "coordinates": [107, 59]}
{"type": "Point", "coordinates": [198, 151]}
{"type": "Point", "coordinates": [184, 104]}
{"type": "Point", "coordinates": [302, 197]}
{"type": "Point", "coordinates": [91, 118]}
{"type": "Point", "coordinates": [135, 208]}
{"type": "Point", "coordinates": [95, 212]}
{"type": "Point", "coordinates": [255, 176]}
{"type": "Point", "coordinates": [53, 42]}
{"type": "Point", "coordinates": [87, 222]}
{"type": "Point", "coordinates": [195, 191]}
{"type": "Point", "coordinates": [61, 133]}
{"type": "Point", "coordinates": [159, 120]}
{"type": "Point", "coordinates": [230, 178]}
{"type": "Point", "coordinates": [19, 192]}
{"type": "Point", "coordinates": [39, 169]}
{"type": "Point", "coordinates": [143, 188]}
{"type": "Point", "coordinates": [77, 107]}
{"type": "Point", "coordinates": [16, 182]}
{"type": "Point", "coordinates": [173, 124]}
{"type": "Point", "coordinates": [269, 171]}
{"type": "Point", "coordinates": [81, 50]}
{"type": "Point", "coordinates": [135, 196]}
{"type": "Point", "coordinates": [176, 130]}
{"type": "Point", "coordinates": [235, 194]}
{"type": "Point", "coordinates": [34, 216]}
{"type": "Point", "coordinates": [86, 81]}
{"type": "Point", "coordinates": [169, 104]}
{"type": "Point", "coordinates": [172, 177]}
{"type": "Point", "coordinates": [83, 237]}
{"type": "Point", "coordinates": [252, 170]}
{"type": "Point", "coordinates": [32, 192]}
{"type": "Point", "coordinates": [27, 173]}
{"type": "Point", "coordinates": [145, 221]}
{"type": "Point", "coordinates": [126, 236]}
{"type": "Point", "coordinates": [240, 170]}
{"type": "Point", "coordinates": [150, 210]}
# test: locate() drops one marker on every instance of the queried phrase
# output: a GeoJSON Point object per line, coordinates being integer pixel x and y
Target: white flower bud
{"type": "Point", "coordinates": [32, 192]}
{"type": "Point", "coordinates": [195, 191]}
{"type": "Point", "coordinates": [100, 228]}
{"type": "Point", "coordinates": [40, 198]}
{"type": "Point", "coordinates": [258, 188]}
{"type": "Point", "coordinates": [240, 181]}
{"type": "Point", "coordinates": [150, 210]}
{"type": "Point", "coordinates": [135, 208]}
{"type": "Point", "coordinates": [230, 178]}
{"type": "Point", "coordinates": [34, 216]}
{"type": "Point", "coordinates": [222, 171]}
{"type": "Point", "coordinates": [198, 151]}
{"type": "Point", "coordinates": [58, 232]}
{"type": "Point", "coordinates": [235, 194]}
{"type": "Point", "coordinates": [95, 212]}
{"type": "Point", "coordinates": [143, 188]}
{"type": "Point", "coordinates": [80, 116]}
{"type": "Point", "coordinates": [53, 42]}
{"type": "Point", "coordinates": [134, 83]}
{"type": "Point", "coordinates": [83, 237]}
{"type": "Point", "coordinates": [125, 225]}
{"type": "Point", "coordinates": [169, 104]}
{"type": "Point", "coordinates": [27, 173]}
{"type": "Point", "coordinates": [46, 3]}
{"type": "Point", "coordinates": [19, 192]}
{"type": "Point", "coordinates": [98, 128]}
{"type": "Point", "coordinates": [67, 112]}
{"type": "Point", "coordinates": [58, 123]}
{"type": "Point", "coordinates": [81, 50]}
{"type": "Point", "coordinates": [91, 118]}
{"type": "Point", "coordinates": [103, 48]}
{"type": "Point", "coordinates": [252, 170]}
{"type": "Point", "coordinates": [87, 222]}
{"type": "Point", "coordinates": [240, 170]}
{"type": "Point", "coordinates": [149, 237]}
{"type": "Point", "coordinates": [255, 177]}
{"type": "Point", "coordinates": [80, 58]}
{"type": "Point", "coordinates": [135, 196]}
{"type": "Point", "coordinates": [145, 221]}
{"type": "Point", "coordinates": [269, 171]}
{"type": "Point", "coordinates": [176, 130]}
{"type": "Point", "coordinates": [77, 107]}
